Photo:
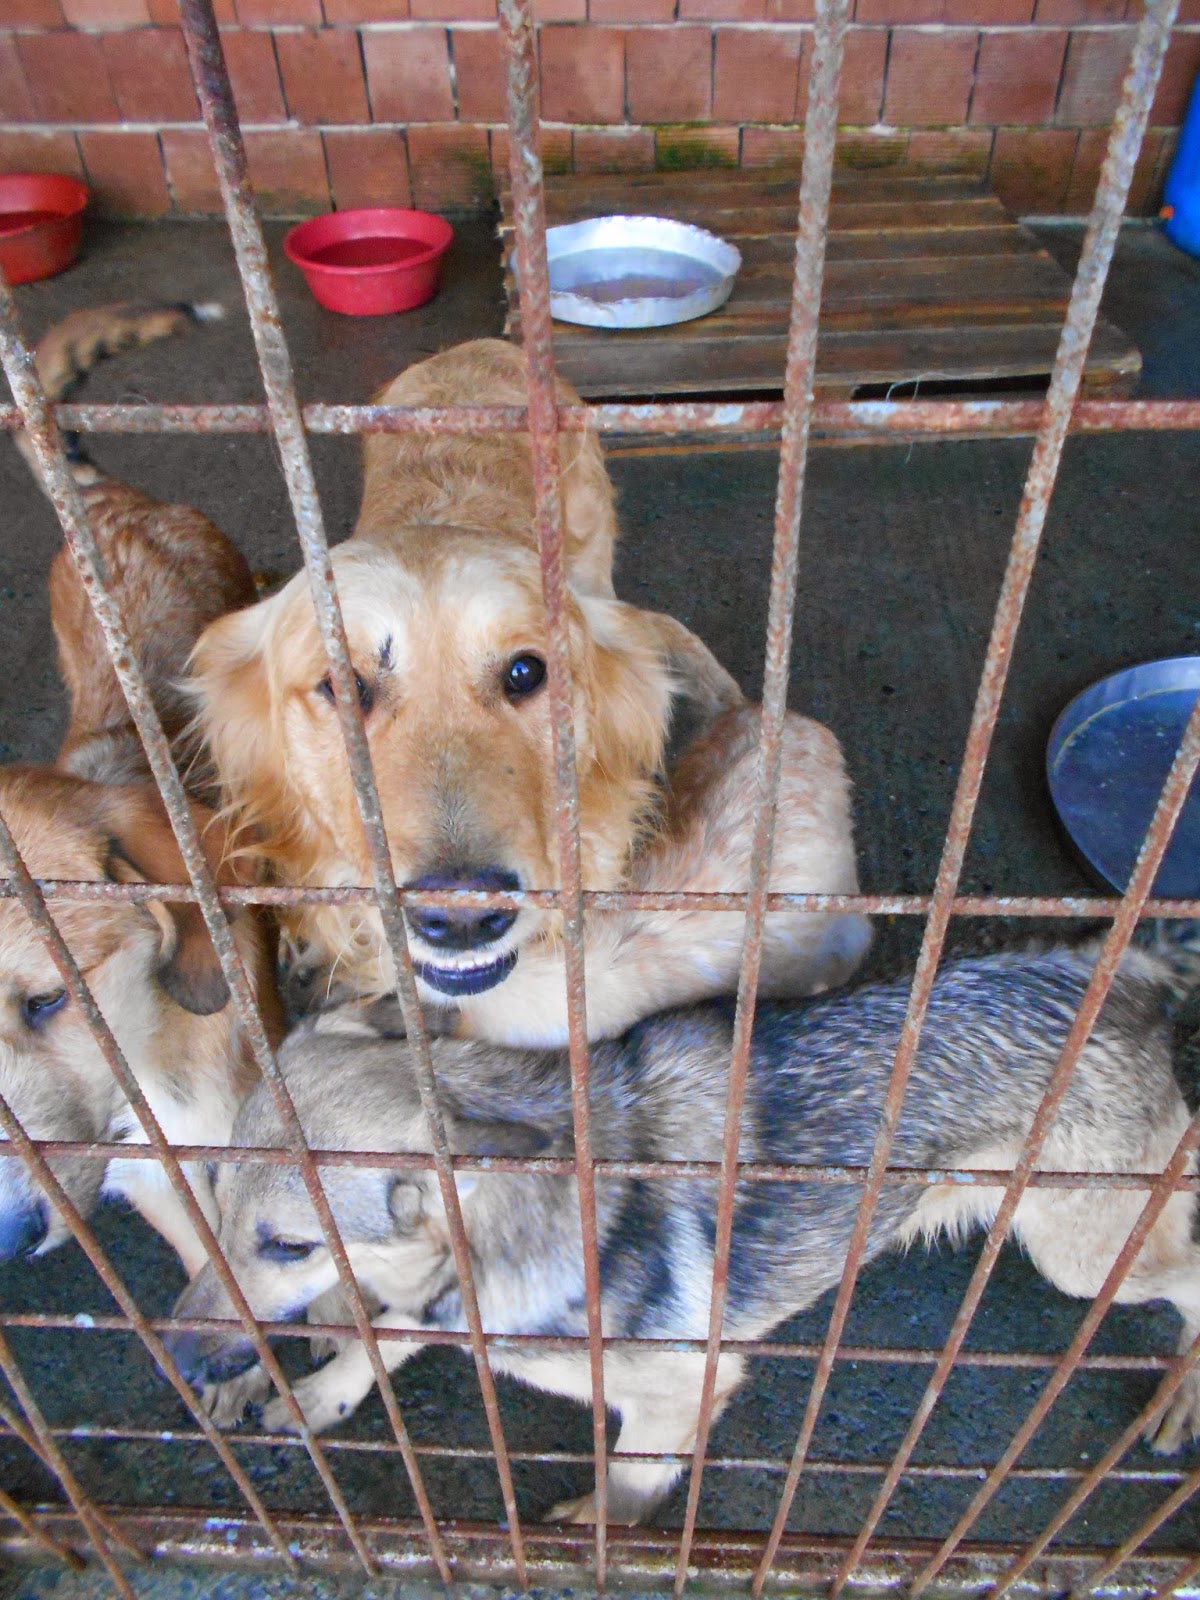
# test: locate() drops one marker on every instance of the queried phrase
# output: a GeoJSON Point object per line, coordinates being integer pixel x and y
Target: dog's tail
{"type": "Point", "coordinates": [70, 350]}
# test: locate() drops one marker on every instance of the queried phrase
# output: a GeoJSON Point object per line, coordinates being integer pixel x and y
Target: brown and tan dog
{"type": "Point", "coordinates": [441, 591]}
{"type": "Point", "coordinates": [151, 967]}
{"type": "Point", "coordinates": [174, 569]}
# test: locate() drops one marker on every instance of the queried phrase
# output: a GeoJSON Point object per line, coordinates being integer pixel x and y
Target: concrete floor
{"type": "Point", "coordinates": [905, 547]}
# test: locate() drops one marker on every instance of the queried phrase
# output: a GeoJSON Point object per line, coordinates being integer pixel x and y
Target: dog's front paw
{"type": "Point", "coordinates": [1179, 1424]}
{"type": "Point", "coordinates": [226, 1403]}
{"type": "Point", "coordinates": [581, 1510]}
{"type": "Point", "coordinates": [322, 1401]}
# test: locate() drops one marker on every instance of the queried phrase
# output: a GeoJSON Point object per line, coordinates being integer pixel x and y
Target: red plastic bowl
{"type": "Point", "coordinates": [370, 261]}
{"type": "Point", "coordinates": [41, 223]}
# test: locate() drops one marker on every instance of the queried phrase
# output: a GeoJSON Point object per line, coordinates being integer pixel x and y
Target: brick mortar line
{"type": "Point", "coordinates": [741, 25]}
{"type": "Point", "coordinates": [873, 130]}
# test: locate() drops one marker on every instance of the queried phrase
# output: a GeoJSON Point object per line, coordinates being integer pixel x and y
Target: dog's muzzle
{"type": "Point", "coordinates": [206, 1358]}
{"type": "Point", "coordinates": [467, 935]}
{"type": "Point", "coordinates": [22, 1230]}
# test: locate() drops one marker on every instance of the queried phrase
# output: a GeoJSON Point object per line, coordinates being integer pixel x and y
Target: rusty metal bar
{"type": "Point", "coordinates": [831, 419]}
{"type": "Point", "coordinates": [1102, 1472]}
{"type": "Point", "coordinates": [883, 1355]}
{"type": "Point", "coordinates": [158, 1150]}
{"type": "Point", "coordinates": [816, 181]}
{"type": "Point", "coordinates": [1174, 796]}
{"type": "Point", "coordinates": [830, 1468]}
{"type": "Point", "coordinates": [97, 1524]}
{"type": "Point", "coordinates": [723, 1556]}
{"type": "Point", "coordinates": [1093, 907]}
{"type": "Point", "coordinates": [38, 1534]}
{"type": "Point", "coordinates": [546, 1166]}
{"type": "Point", "coordinates": [519, 34]}
{"type": "Point", "coordinates": [19, 367]}
{"type": "Point", "coordinates": [1129, 126]}
{"type": "Point", "coordinates": [211, 81]}
{"type": "Point", "coordinates": [1083, 310]}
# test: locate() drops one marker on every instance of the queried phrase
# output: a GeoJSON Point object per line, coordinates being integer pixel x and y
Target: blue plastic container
{"type": "Point", "coordinates": [1181, 196]}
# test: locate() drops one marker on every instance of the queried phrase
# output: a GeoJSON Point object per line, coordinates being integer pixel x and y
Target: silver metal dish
{"type": "Point", "coordinates": [637, 272]}
{"type": "Point", "coordinates": [1107, 760]}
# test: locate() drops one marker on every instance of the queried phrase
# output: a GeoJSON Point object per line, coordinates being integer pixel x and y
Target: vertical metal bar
{"type": "Point", "coordinates": [35, 908]}
{"type": "Point", "coordinates": [60, 486]}
{"type": "Point", "coordinates": [1171, 803]}
{"type": "Point", "coordinates": [30, 1440]}
{"type": "Point", "coordinates": [816, 183]}
{"type": "Point", "coordinates": [1083, 309]}
{"type": "Point", "coordinates": [39, 1535]}
{"type": "Point", "coordinates": [529, 223]}
{"type": "Point", "coordinates": [212, 87]}
{"type": "Point", "coordinates": [1129, 127]}
{"type": "Point", "coordinates": [84, 1509]}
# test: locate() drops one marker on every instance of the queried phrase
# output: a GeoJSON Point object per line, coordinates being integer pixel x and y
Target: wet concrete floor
{"type": "Point", "coordinates": [904, 549]}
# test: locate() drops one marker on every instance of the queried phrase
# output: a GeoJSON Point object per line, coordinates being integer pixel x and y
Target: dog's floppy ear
{"type": "Point", "coordinates": [142, 849]}
{"type": "Point", "coordinates": [228, 681]}
{"type": "Point", "coordinates": [698, 677]}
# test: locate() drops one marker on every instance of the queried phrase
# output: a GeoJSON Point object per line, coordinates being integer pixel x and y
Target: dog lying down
{"type": "Point", "coordinates": [818, 1072]}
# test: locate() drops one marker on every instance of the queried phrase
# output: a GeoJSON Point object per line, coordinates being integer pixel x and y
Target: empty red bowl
{"type": "Point", "coordinates": [41, 223]}
{"type": "Point", "coordinates": [370, 261]}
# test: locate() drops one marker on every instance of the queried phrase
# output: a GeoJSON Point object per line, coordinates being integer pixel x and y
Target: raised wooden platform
{"type": "Point", "coordinates": [931, 287]}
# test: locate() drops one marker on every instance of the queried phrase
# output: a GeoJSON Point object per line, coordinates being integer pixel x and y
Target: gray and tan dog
{"type": "Point", "coordinates": [818, 1073]}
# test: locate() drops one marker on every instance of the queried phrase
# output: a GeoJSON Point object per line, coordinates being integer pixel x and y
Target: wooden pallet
{"type": "Point", "coordinates": [929, 285]}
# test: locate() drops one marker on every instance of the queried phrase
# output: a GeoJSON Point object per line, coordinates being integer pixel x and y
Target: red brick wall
{"type": "Point", "coordinates": [353, 102]}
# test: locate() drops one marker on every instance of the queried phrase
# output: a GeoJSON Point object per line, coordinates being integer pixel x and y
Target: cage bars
{"type": "Point", "coordinates": [797, 419]}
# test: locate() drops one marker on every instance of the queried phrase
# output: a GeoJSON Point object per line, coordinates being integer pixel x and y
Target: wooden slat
{"type": "Point", "coordinates": [621, 365]}
{"type": "Point", "coordinates": [750, 219]}
{"type": "Point", "coordinates": [926, 277]}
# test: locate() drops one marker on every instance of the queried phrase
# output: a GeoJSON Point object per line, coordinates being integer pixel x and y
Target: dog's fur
{"type": "Point", "coordinates": [151, 967]}
{"type": "Point", "coordinates": [441, 591]}
{"type": "Point", "coordinates": [173, 569]}
{"type": "Point", "coordinates": [817, 1077]}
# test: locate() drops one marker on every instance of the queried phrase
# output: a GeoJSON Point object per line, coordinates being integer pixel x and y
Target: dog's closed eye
{"type": "Point", "coordinates": [524, 675]}
{"type": "Point", "coordinates": [366, 692]}
{"type": "Point", "coordinates": [275, 1249]}
{"type": "Point", "coordinates": [37, 1009]}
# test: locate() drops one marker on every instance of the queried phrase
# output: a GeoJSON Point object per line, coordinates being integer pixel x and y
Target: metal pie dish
{"type": "Point", "coordinates": [637, 272]}
{"type": "Point", "coordinates": [1107, 760]}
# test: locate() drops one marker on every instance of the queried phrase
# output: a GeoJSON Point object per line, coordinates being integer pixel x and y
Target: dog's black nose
{"type": "Point", "coordinates": [22, 1231]}
{"type": "Point", "coordinates": [463, 927]}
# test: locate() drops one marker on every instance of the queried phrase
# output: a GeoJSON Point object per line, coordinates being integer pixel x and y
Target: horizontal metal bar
{"type": "Point", "coordinates": [564, 1166]}
{"type": "Point", "coordinates": [110, 1322]}
{"type": "Point", "coordinates": [83, 1433]}
{"type": "Point", "coordinates": [830, 418]}
{"type": "Point", "coordinates": [480, 1552]}
{"type": "Point", "coordinates": [1093, 907]}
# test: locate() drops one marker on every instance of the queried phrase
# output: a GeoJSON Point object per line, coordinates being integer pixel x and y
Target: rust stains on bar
{"type": "Point", "coordinates": [529, 218]}
{"type": "Point", "coordinates": [1128, 129]}
{"type": "Point", "coordinates": [212, 86]}
{"type": "Point", "coordinates": [831, 419]}
{"type": "Point", "coordinates": [816, 182]}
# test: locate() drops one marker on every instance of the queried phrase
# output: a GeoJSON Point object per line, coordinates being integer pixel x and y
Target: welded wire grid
{"type": "Point", "coordinates": [118, 1535]}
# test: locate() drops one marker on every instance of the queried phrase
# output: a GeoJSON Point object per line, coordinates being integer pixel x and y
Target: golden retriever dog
{"type": "Point", "coordinates": [151, 967]}
{"type": "Point", "coordinates": [441, 592]}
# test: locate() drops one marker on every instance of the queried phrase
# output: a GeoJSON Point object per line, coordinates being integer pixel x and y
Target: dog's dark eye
{"type": "Point", "coordinates": [523, 676]}
{"type": "Point", "coordinates": [37, 1009]}
{"type": "Point", "coordinates": [286, 1249]}
{"type": "Point", "coordinates": [366, 694]}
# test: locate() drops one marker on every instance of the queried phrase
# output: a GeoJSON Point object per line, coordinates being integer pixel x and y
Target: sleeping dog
{"type": "Point", "coordinates": [818, 1073]}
